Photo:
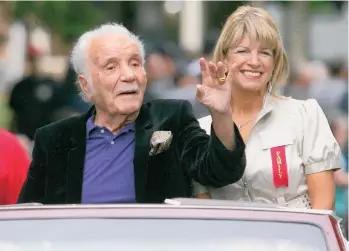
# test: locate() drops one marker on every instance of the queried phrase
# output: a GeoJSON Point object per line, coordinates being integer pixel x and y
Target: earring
{"type": "Point", "coordinates": [270, 87]}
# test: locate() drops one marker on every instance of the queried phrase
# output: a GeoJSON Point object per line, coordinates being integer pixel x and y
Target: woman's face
{"type": "Point", "coordinates": [255, 65]}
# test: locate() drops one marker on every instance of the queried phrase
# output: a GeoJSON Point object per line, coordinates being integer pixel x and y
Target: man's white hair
{"type": "Point", "coordinates": [79, 55]}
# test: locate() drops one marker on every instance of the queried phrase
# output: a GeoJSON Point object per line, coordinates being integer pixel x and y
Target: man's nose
{"type": "Point", "coordinates": [127, 73]}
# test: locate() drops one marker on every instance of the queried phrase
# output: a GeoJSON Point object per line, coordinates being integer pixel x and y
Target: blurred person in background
{"type": "Point", "coordinates": [14, 164]}
{"type": "Point", "coordinates": [344, 102]}
{"type": "Point", "coordinates": [124, 151]}
{"type": "Point", "coordinates": [306, 75]}
{"type": "Point", "coordinates": [171, 80]}
{"type": "Point", "coordinates": [344, 99]}
{"type": "Point", "coordinates": [210, 41]}
{"type": "Point", "coordinates": [161, 72]}
{"type": "Point", "coordinates": [300, 80]}
{"type": "Point", "coordinates": [33, 99]}
{"type": "Point", "coordinates": [186, 89]}
{"type": "Point", "coordinates": [68, 95]}
{"type": "Point", "coordinates": [339, 127]}
{"type": "Point", "coordinates": [68, 101]}
{"type": "Point", "coordinates": [329, 91]}
{"type": "Point", "coordinates": [290, 149]}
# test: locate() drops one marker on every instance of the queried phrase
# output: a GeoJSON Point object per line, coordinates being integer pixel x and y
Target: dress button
{"type": "Point", "coordinates": [102, 131]}
{"type": "Point", "coordinates": [112, 142]}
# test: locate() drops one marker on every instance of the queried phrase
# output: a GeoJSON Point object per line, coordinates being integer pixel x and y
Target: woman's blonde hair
{"type": "Point", "coordinates": [259, 26]}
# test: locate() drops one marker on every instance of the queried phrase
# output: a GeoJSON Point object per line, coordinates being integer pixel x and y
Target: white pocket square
{"type": "Point", "coordinates": [159, 142]}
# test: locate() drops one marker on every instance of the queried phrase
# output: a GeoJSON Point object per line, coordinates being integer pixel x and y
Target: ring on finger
{"type": "Point", "coordinates": [222, 80]}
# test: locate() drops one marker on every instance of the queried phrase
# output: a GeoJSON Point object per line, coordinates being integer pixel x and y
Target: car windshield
{"type": "Point", "coordinates": [158, 235]}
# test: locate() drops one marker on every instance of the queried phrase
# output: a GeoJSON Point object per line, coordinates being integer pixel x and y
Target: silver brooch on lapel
{"type": "Point", "coordinates": [160, 142]}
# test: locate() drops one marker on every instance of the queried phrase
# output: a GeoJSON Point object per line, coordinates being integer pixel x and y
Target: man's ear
{"type": "Point", "coordinates": [145, 76]}
{"type": "Point", "coordinates": [84, 85]}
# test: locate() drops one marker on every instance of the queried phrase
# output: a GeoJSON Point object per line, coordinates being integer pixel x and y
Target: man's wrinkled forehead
{"type": "Point", "coordinates": [112, 45]}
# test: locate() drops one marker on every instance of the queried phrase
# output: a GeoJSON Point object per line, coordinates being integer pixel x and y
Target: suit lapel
{"type": "Point", "coordinates": [144, 131]}
{"type": "Point", "coordinates": [76, 159]}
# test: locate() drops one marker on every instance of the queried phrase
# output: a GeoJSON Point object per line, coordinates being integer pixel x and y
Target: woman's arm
{"type": "Point", "coordinates": [322, 190]}
{"type": "Point", "coordinates": [320, 157]}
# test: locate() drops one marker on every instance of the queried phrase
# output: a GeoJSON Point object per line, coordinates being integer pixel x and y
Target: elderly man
{"type": "Point", "coordinates": [122, 151]}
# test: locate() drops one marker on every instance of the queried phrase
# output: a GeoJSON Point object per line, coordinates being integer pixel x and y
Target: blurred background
{"type": "Point", "coordinates": [37, 83]}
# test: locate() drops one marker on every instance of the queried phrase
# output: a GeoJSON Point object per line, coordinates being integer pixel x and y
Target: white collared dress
{"type": "Point", "coordinates": [290, 139]}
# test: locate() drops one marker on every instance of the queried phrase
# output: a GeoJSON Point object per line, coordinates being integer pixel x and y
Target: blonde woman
{"type": "Point", "coordinates": [290, 150]}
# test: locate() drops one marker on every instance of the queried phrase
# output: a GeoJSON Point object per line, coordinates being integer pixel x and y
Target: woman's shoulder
{"type": "Point", "coordinates": [296, 105]}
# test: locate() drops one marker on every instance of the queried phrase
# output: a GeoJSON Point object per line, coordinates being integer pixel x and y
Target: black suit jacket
{"type": "Point", "coordinates": [56, 172]}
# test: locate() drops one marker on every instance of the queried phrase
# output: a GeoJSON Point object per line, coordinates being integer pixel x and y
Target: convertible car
{"type": "Point", "coordinates": [178, 224]}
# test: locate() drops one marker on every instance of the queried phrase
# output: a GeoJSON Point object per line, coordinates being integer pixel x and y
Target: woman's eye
{"type": "Point", "coordinates": [268, 53]}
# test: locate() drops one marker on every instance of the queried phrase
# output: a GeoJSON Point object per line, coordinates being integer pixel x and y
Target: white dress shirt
{"type": "Point", "coordinates": [302, 130]}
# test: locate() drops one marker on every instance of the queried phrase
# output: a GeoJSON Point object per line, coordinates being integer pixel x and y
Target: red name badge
{"type": "Point", "coordinates": [280, 173]}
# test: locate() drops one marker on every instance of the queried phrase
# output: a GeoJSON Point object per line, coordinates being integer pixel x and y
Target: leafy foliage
{"type": "Point", "coordinates": [66, 18]}
{"type": "Point", "coordinates": [318, 6]}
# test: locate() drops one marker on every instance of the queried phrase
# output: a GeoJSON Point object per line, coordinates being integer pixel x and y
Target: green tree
{"type": "Point", "coordinates": [67, 19]}
{"type": "Point", "coordinates": [318, 6]}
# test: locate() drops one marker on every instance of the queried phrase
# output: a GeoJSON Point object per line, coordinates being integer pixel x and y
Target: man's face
{"type": "Point", "coordinates": [117, 77]}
